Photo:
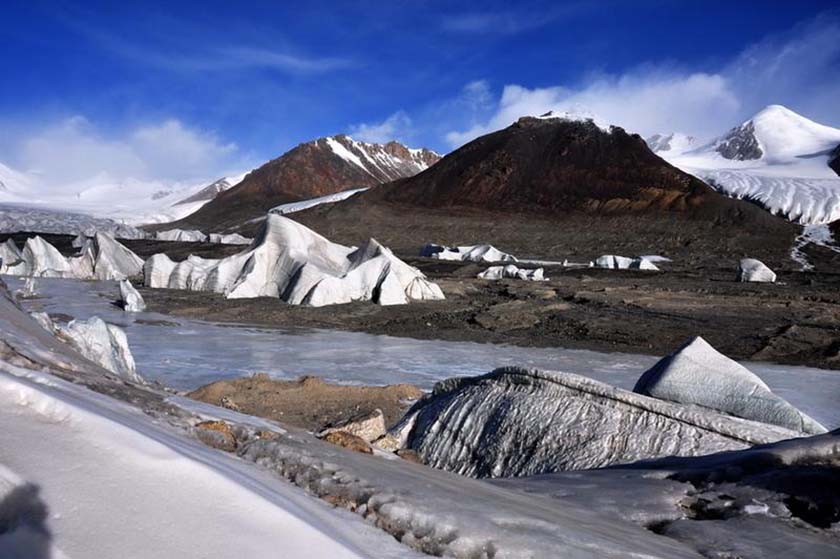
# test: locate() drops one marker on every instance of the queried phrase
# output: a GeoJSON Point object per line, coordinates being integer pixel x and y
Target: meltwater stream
{"type": "Point", "coordinates": [185, 354]}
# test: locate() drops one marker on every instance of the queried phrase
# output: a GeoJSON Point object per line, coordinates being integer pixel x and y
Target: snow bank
{"type": "Point", "coordinates": [292, 262]}
{"type": "Point", "coordinates": [293, 207]}
{"type": "Point", "coordinates": [511, 271]}
{"type": "Point", "coordinates": [515, 422]}
{"type": "Point", "coordinates": [698, 374]}
{"type": "Point", "coordinates": [231, 239]}
{"type": "Point", "coordinates": [130, 298]}
{"type": "Point", "coordinates": [613, 262]}
{"type": "Point", "coordinates": [470, 253]}
{"type": "Point", "coordinates": [101, 257]}
{"type": "Point", "coordinates": [751, 269]}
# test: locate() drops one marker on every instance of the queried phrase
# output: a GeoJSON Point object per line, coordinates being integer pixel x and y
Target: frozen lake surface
{"type": "Point", "coordinates": [186, 354]}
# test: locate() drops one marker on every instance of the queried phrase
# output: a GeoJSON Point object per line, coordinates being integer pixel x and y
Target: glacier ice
{"type": "Point", "coordinates": [515, 422]}
{"type": "Point", "coordinates": [750, 269]}
{"type": "Point", "coordinates": [290, 261]}
{"type": "Point", "coordinates": [511, 271]}
{"type": "Point", "coordinates": [131, 299]}
{"type": "Point", "coordinates": [230, 239]}
{"type": "Point", "coordinates": [470, 253]}
{"type": "Point", "coordinates": [181, 235]}
{"type": "Point", "coordinates": [101, 257]}
{"type": "Point", "coordinates": [613, 262]}
{"type": "Point", "coordinates": [698, 374]}
{"type": "Point", "coordinates": [102, 343]}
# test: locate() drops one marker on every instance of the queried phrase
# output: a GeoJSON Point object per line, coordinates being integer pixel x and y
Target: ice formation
{"type": "Point", "coordinates": [293, 207]}
{"type": "Point", "coordinates": [511, 271]}
{"type": "Point", "coordinates": [231, 239]}
{"type": "Point", "coordinates": [470, 253]}
{"type": "Point", "coordinates": [102, 343]}
{"type": "Point", "coordinates": [515, 422]}
{"type": "Point", "coordinates": [181, 235]}
{"type": "Point", "coordinates": [131, 299]}
{"type": "Point", "coordinates": [101, 257]}
{"type": "Point", "coordinates": [698, 374]}
{"type": "Point", "coordinates": [751, 269]}
{"type": "Point", "coordinates": [613, 262]}
{"type": "Point", "coordinates": [19, 217]}
{"type": "Point", "coordinates": [292, 262]}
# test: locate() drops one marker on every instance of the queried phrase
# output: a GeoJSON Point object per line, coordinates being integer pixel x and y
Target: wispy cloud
{"type": "Point", "coordinates": [75, 149]}
{"type": "Point", "coordinates": [510, 21]}
{"type": "Point", "coordinates": [398, 126]}
{"type": "Point", "coordinates": [800, 69]}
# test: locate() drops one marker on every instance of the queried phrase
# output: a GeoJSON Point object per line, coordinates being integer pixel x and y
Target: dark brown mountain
{"type": "Point", "coordinates": [312, 169]}
{"type": "Point", "coordinates": [551, 187]}
{"type": "Point", "coordinates": [552, 165]}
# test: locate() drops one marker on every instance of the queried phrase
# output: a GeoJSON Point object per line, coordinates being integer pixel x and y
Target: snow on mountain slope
{"type": "Point", "coordinates": [125, 200]}
{"type": "Point", "coordinates": [293, 207]}
{"type": "Point", "coordinates": [384, 162]}
{"type": "Point", "coordinates": [777, 158]}
{"type": "Point", "coordinates": [674, 143]}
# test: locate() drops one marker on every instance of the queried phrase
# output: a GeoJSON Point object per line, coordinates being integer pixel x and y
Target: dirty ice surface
{"type": "Point", "coordinates": [185, 354]}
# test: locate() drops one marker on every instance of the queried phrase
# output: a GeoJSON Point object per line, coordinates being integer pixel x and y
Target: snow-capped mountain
{"type": "Point", "coordinates": [102, 196]}
{"type": "Point", "coordinates": [311, 170]}
{"type": "Point", "coordinates": [675, 143]}
{"type": "Point", "coordinates": [777, 158]}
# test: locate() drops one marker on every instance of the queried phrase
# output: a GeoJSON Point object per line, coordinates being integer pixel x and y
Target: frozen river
{"type": "Point", "coordinates": [186, 354]}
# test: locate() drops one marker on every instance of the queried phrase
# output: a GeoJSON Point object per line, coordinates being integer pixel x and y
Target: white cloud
{"type": "Point", "coordinates": [798, 69]}
{"type": "Point", "coordinates": [396, 126]}
{"type": "Point", "coordinates": [74, 149]}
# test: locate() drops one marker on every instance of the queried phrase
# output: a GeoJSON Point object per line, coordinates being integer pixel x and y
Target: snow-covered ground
{"type": "Point", "coordinates": [115, 483]}
{"type": "Point", "coordinates": [186, 354]}
{"type": "Point", "coordinates": [777, 158]}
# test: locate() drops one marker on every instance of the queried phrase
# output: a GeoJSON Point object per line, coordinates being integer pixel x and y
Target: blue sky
{"type": "Point", "coordinates": [188, 89]}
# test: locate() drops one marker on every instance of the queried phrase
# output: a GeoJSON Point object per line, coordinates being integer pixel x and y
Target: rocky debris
{"type": "Point", "coordinates": [216, 434]}
{"type": "Point", "coordinates": [102, 343]}
{"type": "Point", "coordinates": [409, 455]}
{"type": "Point", "coordinates": [100, 257]}
{"type": "Point", "coordinates": [231, 239]}
{"type": "Point", "coordinates": [612, 262]}
{"type": "Point", "coordinates": [229, 404]}
{"type": "Point", "coordinates": [834, 160]}
{"type": "Point", "coordinates": [181, 235]}
{"type": "Point", "coordinates": [368, 426]}
{"type": "Point", "coordinates": [471, 253]}
{"type": "Point", "coordinates": [754, 270]}
{"type": "Point", "coordinates": [514, 272]}
{"type": "Point", "coordinates": [698, 374]}
{"type": "Point", "coordinates": [387, 443]}
{"type": "Point", "coordinates": [130, 298]}
{"type": "Point", "coordinates": [348, 441]}
{"type": "Point", "coordinates": [515, 422]}
{"type": "Point", "coordinates": [295, 264]}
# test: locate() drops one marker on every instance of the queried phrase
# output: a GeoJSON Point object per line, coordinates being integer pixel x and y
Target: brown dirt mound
{"type": "Point", "coordinates": [309, 402]}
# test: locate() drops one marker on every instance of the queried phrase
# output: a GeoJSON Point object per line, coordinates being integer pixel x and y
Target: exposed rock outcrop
{"type": "Point", "coordinates": [754, 270]}
{"type": "Point", "coordinates": [698, 374]}
{"type": "Point", "coordinates": [515, 422]}
{"type": "Point", "coordinates": [292, 262]}
{"type": "Point", "coordinates": [369, 426]}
